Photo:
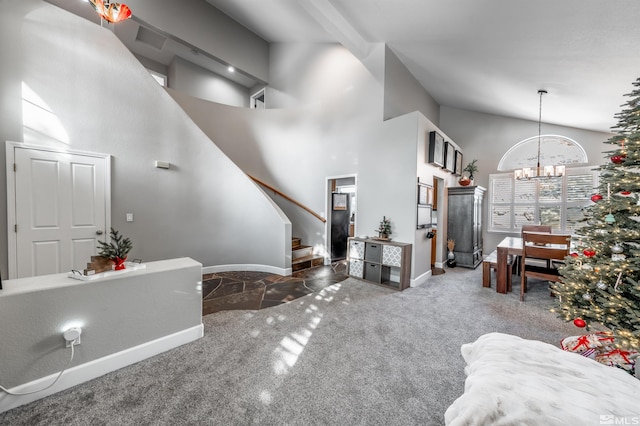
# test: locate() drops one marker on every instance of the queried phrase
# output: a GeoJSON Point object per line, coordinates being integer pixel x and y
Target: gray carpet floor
{"type": "Point", "coordinates": [353, 354]}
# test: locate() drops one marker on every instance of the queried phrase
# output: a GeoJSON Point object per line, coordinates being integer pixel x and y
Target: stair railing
{"type": "Point", "coordinates": [286, 197]}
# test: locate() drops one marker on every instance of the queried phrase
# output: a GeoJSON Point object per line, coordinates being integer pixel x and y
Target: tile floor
{"type": "Point", "coordinates": [257, 290]}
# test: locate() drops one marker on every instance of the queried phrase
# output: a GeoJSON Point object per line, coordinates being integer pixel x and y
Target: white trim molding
{"type": "Point", "coordinates": [99, 367]}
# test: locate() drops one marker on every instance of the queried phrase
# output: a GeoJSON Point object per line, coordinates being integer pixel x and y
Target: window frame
{"type": "Point", "coordinates": [510, 206]}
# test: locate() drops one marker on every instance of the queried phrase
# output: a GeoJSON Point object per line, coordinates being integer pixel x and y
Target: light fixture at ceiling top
{"type": "Point", "coordinates": [111, 12]}
{"type": "Point", "coordinates": [539, 172]}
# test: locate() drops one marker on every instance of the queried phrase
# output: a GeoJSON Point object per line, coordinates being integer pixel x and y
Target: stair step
{"type": "Point", "coordinates": [295, 243]}
{"type": "Point", "coordinates": [306, 262]}
{"type": "Point", "coordinates": [301, 251]}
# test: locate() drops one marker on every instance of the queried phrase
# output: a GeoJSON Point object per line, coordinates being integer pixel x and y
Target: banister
{"type": "Point", "coordinates": [286, 197]}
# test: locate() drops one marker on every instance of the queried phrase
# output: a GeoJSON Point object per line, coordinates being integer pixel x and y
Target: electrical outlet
{"type": "Point", "coordinates": [75, 342]}
{"type": "Point", "coordinates": [72, 336]}
{"type": "Point", "coordinates": [129, 217]}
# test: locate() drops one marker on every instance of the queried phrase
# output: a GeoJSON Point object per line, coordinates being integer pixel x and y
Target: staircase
{"type": "Point", "coordinates": [302, 256]}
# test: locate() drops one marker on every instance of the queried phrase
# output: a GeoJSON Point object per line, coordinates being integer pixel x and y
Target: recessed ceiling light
{"type": "Point", "coordinates": [231, 69]}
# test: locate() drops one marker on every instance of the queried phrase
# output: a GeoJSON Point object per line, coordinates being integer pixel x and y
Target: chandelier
{"type": "Point", "coordinates": [111, 12]}
{"type": "Point", "coordinates": [539, 171]}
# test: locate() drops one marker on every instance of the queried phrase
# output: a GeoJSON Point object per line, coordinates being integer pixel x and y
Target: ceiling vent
{"type": "Point", "coordinates": [150, 38]}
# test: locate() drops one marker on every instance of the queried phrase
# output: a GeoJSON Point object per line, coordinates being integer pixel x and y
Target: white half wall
{"type": "Point", "coordinates": [119, 324]}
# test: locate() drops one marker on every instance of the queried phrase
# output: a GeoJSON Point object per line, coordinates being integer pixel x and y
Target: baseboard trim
{"type": "Point", "coordinates": [421, 279]}
{"type": "Point", "coordinates": [247, 267]}
{"type": "Point", "coordinates": [99, 367]}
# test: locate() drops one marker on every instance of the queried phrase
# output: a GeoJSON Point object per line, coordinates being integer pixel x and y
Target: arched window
{"type": "Point", "coordinates": [557, 201]}
{"type": "Point", "coordinates": [554, 149]}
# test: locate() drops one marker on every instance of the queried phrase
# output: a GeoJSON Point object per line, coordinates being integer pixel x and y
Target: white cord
{"type": "Point", "coordinates": [54, 382]}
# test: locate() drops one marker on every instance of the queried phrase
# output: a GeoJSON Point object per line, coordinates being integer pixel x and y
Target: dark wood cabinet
{"type": "Point", "coordinates": [464, 224]}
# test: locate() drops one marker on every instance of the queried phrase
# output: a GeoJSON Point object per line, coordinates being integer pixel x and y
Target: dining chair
{"type": "Point", "coordinates": [536, 228]}
{"type": "Point", "coordinates": [545, 246]}
{"type": "Point", "coordinates": [533, 228]}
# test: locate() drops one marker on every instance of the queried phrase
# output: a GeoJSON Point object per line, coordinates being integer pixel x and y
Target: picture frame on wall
{"type": "Point", "coordinates": [458, 164]}
{"type": "Point", "coordinates": [436, 149]}
{"type": "Point", "coordinates": [449, 157]}
{"type": "Point", "coordinates": [425, 194]}
{"type": "Point", "coordinates": [339, 201]}
{"type": "Point", "coordinates": [424, 217]}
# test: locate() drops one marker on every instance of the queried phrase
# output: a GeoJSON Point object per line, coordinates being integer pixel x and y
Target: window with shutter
{"type": "Point", "coordinates": [558, 202]}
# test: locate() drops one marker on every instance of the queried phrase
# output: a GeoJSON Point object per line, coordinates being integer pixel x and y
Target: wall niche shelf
{"type": "Point", "coordinates": [387, 263]}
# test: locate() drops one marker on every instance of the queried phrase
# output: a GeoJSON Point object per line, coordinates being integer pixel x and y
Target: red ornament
{"type": "Point", "coordinates": [589, 252]}
{"type": "Point", "coordinates": [574, 254]}
{"type": "Point", "coordinates": [617, 159]}
{"type": "Point", "coordinates": [579, 322]}
{"type": "Point", "coordinates": [625, 193]}
{"type": "Point", "coordinates": [596, 197]}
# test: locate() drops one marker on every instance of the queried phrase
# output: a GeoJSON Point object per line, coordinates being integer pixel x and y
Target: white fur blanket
{"type": "Point", "coordinates": [513, 381]}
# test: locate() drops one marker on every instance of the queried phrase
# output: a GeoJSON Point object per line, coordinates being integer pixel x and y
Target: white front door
{"type": "Point", "coordinates": [61, 210]}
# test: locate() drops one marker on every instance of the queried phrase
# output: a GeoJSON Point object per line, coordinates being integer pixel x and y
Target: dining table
{"type": "Point", "coordinates": [508, 246]}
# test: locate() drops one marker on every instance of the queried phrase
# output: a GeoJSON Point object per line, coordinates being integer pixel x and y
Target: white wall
{"type": "Point", "coordinates": [324, 112]}
{"type": "Point", "coordinates": [427, 172]}
{"type": "Point", "coordinates": [329, 123]}
{"type": "Point", "coordinates": [487, 137]}
{"type": "Point", "coordinates": [105, 101]}
{"type": "Point", "coordinates": [119, 325]}
{"type": "Point", "coordinates": [206, 28]}
{"type": "Point", "coordinates": [196, 81]}
{"type": "Point", "coordinates": [403, 93]}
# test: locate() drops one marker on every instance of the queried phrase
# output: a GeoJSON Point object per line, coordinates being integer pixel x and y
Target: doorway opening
{"type": "Point", "coordinates": [256, 100]}
{"type": "Point", "coordinates": [341, 220]}
{"type": "Point", "coordinates": [439, 239]}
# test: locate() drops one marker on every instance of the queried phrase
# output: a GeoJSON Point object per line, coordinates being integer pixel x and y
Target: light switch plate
{"type": "Point", "coordinates": [129, 217]}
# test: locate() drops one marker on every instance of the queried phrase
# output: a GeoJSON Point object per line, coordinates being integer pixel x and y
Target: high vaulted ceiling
{"type": "Point", "coordinates": [482, 55]}
{"type": "Point", "coordinates": [490, 55]}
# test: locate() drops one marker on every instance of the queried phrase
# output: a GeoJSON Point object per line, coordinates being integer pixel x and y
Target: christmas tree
{"type": "Point", "coordinates": [601, 280]}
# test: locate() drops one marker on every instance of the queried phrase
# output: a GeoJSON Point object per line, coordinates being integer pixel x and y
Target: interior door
{"type": "Point", "coordinates": [61, 210]}
{"type": "Point", "coordinates": [340, 212]}
{"type": "Point", "coordinates": [434, 240]}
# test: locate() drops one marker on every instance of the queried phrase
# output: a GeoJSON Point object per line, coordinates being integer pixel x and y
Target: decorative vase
{"type": "Point", "coordinates": [464, 181]}
{"type": "Point", "coordinates": [119, 262]}
{"type": "Point", "coordinates": [451, 260]}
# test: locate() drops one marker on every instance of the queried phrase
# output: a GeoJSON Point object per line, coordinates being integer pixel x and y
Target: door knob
{"type": "Point", "coordinates": [99, 232]}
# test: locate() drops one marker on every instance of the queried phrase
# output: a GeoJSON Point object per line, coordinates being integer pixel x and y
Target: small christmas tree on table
{"type": "Point", "coordinates": [601, 281]}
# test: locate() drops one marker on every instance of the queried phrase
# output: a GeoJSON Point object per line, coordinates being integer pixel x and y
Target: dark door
{"type": "Point", "coordinates": [339, 225]}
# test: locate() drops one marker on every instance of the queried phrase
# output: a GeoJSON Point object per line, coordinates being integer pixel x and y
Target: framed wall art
{"type": "Point", "coordinates": [436, 149]}
{"type": "Point", "coordinates": [458, 165]}
{"type": "Point", "coordinates": [449, 157]}
{"type": "Point", "coordinates": [424, 217]}
{"type": "Point", "coordinates": [425, 194]}
{"type": "Point", "coordinates": [339, 201]}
